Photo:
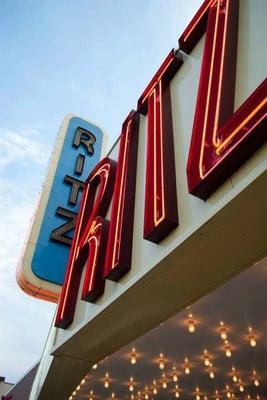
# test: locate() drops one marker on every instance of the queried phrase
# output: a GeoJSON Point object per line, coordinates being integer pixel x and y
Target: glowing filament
{"type": "Point", "coordinates": [186, 366]}
{"type": "Point", "coordinates": [206, 358]}
{"type": "Point", "coordinates": [227, 349]}
{"type": "Point", "coordinates": [252, 338]}
{"type": "Point", "coordinates": [197, 393]}
{"type": "Point", "coordinates": [161, 361]}
{"type": "Point", "coordinates": [228, 393]}
{"type": "Point", "coordinates": [174, 375]}
{"type": "Point", "coordinates": [133, 356]}
{"type": "Point", "coordinates": [131, 384]}
{"type": "Point", "coordinates": [234, 375]}
{"type": "Point", "coordinates": [223, 331]}
{"type": "Point", "coordinates": [191, 324]}
{"type": "Point", "coordinates": [106, 382]}
{"type": "Point", "coordinates": [212, 373]}
{"type": "Point", "coordinates": [256, 379]}
{"type": "Point", "coordinates": [241, 386]}
{"type": "Point", "coordinates": [177, 393]}
{"type": "Point", "coordinates": [94, 366]}
{"type": "Point", "coordinates": [164, 381]}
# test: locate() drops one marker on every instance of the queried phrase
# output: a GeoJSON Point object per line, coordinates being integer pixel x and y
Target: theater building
{"type": "Point", "coordinates": [165, 289]}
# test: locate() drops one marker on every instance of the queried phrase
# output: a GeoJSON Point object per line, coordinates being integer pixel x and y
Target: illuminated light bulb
{"type": "Point", "coordinates": [132, 396]}
{"type": "Point", "coordinates": [155, 390]}
{"type": "Point", "coordinates": [83, 382]}
{"type": "Point", "coordinates": [217, 395]}
{"type": "Point", "coordinates": [212, 373]}
{"type": "Point", "coordinates": [234, 375]}
{"type": "Point", "coordinates": [227, 349]}
{"type": "Point", "coordinates": [206, 358]}
{"type": "Point", "coordinates": [78, 387]}
{"type": "Point", "coordinates": [255, 378]}
{"type": "Point", "coordinates": [161, 361]}
{"type": "Point", "coordinates": [186, 366]}
{"type": "Point", "coordinates": [146, 393]}
{"type": "Point", "coordinates": [197, 397]}
{"type": "Point", "coordinates": [197, 393]}
{"type": "Point", "coordinates": [241, 386]}
{"type": "Point", "coordinates": [106, 382]}
{"type": "Point", "coordinates": [113, 395]}
{"type": "Point", "coordinates": [223, 331]}
{"type": "Point", "coordinates": [205, 398]}
{"type": "Point", "coordinates": [177, 393]}
{"type": "Point", "coordinates": [74, 393]}
{"type": "Point", "coordinates": [191, 324]}
{"type": "Point", "coordinates": [91, 395]}
{"type": "Point", "coordinates": [174, 375]}
{"type": "Point", "coordinates": [228, 393]}
{"type": "Point", "coordinates": [133, 356]}
{"type": "Point", "coordinates": [252, 338]}
{"type": "Point", "coordinates": [94, 366]}
{"type": "Point", "coordinates": [258, 397]}
{"type": "Point", "coordinates": [131, 384]}
{"type": "Point", "coordinates": [164, 382]}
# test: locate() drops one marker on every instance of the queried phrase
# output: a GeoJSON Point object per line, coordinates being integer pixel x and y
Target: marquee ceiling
{"type": "Point", "coordinates": [215, 349]}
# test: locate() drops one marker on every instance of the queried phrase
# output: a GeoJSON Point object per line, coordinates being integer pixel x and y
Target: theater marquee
{"type": "Point", "coordinates": [178, 206]}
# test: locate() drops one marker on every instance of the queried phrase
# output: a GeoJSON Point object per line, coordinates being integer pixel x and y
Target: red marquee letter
{"type": "Point", "coordinates": [89, 243]}
{"type": "Point", "coordinates": [161, 214]}
{"type": "Point", "coordinates": [118, 258]}
{"type": "Point", "coordinates": [221, 140]}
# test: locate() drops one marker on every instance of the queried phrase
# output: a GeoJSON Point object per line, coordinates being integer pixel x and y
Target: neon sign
{"type": "Point", "coordinates": [221, 141]}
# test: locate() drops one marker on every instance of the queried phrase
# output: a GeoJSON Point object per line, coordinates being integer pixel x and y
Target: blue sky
{"type": "Point", "coordinates": [89, 57]}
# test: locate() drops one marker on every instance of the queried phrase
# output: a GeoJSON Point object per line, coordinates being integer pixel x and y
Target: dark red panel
{"type": "Point", "coordinates": [222, 140]}
{"type": "Point", "coordinates": [161, 211]}
{"type": "Point", "coordinates": [119, 249]}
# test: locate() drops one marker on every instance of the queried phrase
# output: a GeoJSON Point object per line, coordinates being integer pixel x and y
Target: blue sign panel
{"type": "Point", "coordinates": [79, 153]}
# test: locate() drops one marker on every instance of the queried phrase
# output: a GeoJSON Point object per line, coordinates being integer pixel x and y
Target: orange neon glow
{"type": "Point", "coordinates": [77, 245]}
{"type": "Point", "coordinates": [116, 248]}
{"type": "Point", "coordinates": [246, 120]}
{"type": "Point", "coordinates": [218, 131]}
{"type": "Point", "coordinates": [215, 139]}
{"type": "Point", "coordinates": [157, 81]}
{"type": "Point", "coordinates": [157, 218]}
{"type": "Point", "coordinates": [214, 44]}
{"type": "Point", "coordinates": [96, 244]}
{"type": "Point", "coordinates": [210, 4]}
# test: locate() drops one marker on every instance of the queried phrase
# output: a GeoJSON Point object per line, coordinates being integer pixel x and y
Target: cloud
{"type": "Point", "coordinates": [24, 321]}
{"type": "Point", "coordinates": [21, 147]}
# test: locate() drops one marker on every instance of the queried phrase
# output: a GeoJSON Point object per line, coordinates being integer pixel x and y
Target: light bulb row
{"type": "Point", "coordinates": [222, 330]}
